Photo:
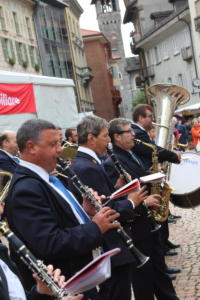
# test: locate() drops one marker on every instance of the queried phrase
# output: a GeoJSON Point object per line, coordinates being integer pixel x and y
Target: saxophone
{"type": "Point", "coordinates": [161, 213]}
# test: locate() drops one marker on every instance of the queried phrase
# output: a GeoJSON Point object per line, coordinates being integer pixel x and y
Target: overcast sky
{"type": "Point", "coordinates": [88, 21]}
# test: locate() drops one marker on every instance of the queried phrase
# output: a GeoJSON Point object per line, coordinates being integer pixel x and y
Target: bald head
{"type": "Point", "coordinates": [8, 142]}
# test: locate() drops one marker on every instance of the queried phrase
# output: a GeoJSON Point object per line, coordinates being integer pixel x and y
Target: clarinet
{"type": "Point", "coordinates": [117, 164]}
{"type": "Point", "coordinates": [36, 266]}
{"type": "Point", "coordinates": [154, 225]}
{"type": "Point", "coordinates": [140, 258]}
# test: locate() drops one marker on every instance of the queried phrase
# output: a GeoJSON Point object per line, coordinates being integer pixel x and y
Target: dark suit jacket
{"type": "Point", "coordinates": [145, 153]}
{"type": "Point", "coordinates": [7, 163]}
{"type": "Point", "coordinates": [131, 166]}
{"type": "Point", "coordinates": [4, 295]}
{"type": "Point", "coordinates": [47, 225]}
{"type": "Point", "coordinates": [141, 227]}
{"type": "Point", "coordinates": [94, 176]}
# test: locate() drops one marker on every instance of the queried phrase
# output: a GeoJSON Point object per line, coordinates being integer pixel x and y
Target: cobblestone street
{"type": "Point", "coordinates": [187, 233]}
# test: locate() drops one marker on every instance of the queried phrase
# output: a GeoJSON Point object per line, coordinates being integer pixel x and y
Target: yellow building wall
{"type": "Point", "coordinates": [17, 37]}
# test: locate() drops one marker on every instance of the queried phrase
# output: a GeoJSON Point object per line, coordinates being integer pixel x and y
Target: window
{"type": "Point", "coordinates": [2, 19]}
{"type": "Point", "coordinates": [109, 6]}
{"type": "Point", "coordinates": [169, 80]}
{"type": "Point", "coordinates": [22, 54]}
{"type": "Point", "coordinates": [180, 79]}
{"type": "Point", "coordinates": [176, 50]}
{"type": "Point", "coordinates": [16, 23]}
{"type": "Point", "coordinates": [157, 55]}
{"type": "Point", "coordinates": [8, 50]}
{"type": "Point", "coordinates": [29, 29]}
{"type": "Point", "coordinates": [186, 37]}
{"type": "Point", "coordinates": [33, 56]}
{"type": "Point", "coordinates": [165, 52]}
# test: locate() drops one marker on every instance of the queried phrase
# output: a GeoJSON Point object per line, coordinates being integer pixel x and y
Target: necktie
{"type": "Point", "coordinates": [57, 183]}
{"type": "Point", "coordinates": [135, 158]}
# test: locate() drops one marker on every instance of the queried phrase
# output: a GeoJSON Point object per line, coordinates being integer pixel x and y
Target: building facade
{"type": "Point", "coordinates": [195, 29]}
{"type": "Point", "coordinates": [82, 74]}
{"type": "Point", "coordinates": [19, 48]}
{"type": "Point", "coordinates": [52, 38]}
{"type": "Point", "coordinates": [163, 39]}
{"type": "Point", "coordinates": [99, 58]}
{"type": "Point", "coordinates": [109, 20]}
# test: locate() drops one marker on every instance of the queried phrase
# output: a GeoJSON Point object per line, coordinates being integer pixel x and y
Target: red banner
{"type": "Point", "coordinates": [16, 99]}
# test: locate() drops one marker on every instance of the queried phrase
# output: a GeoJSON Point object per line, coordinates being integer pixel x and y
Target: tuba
{"type": "Point", "coordinates": [165, 99]}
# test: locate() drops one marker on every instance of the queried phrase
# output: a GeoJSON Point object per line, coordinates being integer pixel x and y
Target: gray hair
{"type": "Point", "coordinates": [30, 131]}
{"type": "Point", "coordinates": [90, 124]}
{"type": "Point", "coordinates": [115, 126]}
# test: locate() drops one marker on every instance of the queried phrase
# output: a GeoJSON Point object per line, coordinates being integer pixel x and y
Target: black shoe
{"type": "Point", "coordinates": [171, 252]}
{"type": "Point", "coordinates": [170, 245]}
{"type": "Point", "coordinates": [171, 221]}
{"type": "Point", "coordinates": [175, 217]}
{"type": "Point", "coordinates": [173, 270]}
{"type": "Point", "coordinates": [171, 276]}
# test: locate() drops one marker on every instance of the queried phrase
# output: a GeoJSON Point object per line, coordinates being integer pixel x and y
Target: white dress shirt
{"type": "Point", "coordinates": [94, 155]}
{"type": "Point", "coordinates": [15, 288]}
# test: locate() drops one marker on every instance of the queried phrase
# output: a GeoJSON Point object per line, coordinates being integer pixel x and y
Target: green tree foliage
{"type": "Point", "coordinates": [139, 98]}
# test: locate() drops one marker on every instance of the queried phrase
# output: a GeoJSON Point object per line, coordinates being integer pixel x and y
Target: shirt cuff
{"type": "Point", "coordinates": [133, 204]}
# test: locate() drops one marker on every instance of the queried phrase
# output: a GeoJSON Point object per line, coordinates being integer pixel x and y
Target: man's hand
{"type": "Point", "coordinates": [153, 200]}
{"type": "Point", "coordinates": [88, 207]}
{"type": "Point", "coordinates": [1, 210]}
{"type": "Point", "coordinates": [78, 297]}
{"type": "Point", "coordinates": [138, 196]}
{"type": "Point", "coordinates": [42, 288]}
{"type": "Point", "coordinates": [178, 153]}
{"type": "Point", "coordinates": [121, 181]}
{"type": "Point", "coordinates": [104, 219]}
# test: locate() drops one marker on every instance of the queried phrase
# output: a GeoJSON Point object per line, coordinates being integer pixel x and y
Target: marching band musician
{"type": "Point", "coordinates": [143, 118]}
{"type": "Point", "coordinates": [11, 286]}
{"type": "Point", "coordinates": [93, 139]}
{"type": "Point", "coordinates": [155, 280]}
{"type": "Point", "coordinates": [8, 151]}
{"type": "Point", "coordinates": [44, 214]}
{"type": "Point", "coordinates": [71, 135]}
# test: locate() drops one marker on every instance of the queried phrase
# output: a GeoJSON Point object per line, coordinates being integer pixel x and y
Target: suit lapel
{"type": "Point", "coordinates": [97, 166]}
{"type": "Point", "coordinates": [55, 198]}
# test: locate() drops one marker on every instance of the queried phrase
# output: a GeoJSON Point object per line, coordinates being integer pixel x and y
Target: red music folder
{"type": "Point", "coordinates": [133, 185]}
{"type": "Point", "coordinates": [94, 273]}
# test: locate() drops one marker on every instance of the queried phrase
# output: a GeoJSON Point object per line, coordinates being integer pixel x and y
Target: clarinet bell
{"type": "Point", "coordinates": [140, 258]}
{"type": "Point", "coordinates": [155, 227]}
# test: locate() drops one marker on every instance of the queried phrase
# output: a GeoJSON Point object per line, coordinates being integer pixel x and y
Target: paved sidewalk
{"type": "Point", "coordinates": [187, 233]}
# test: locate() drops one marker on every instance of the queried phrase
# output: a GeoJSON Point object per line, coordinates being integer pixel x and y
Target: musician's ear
{"type": "Point", "coordinates": [116, 137]}
{"type": "Point", "coordinates": [91, 138]}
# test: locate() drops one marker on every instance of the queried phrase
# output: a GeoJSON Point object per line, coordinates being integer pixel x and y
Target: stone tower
{"type": "Point", "coordinates": [109, 20]}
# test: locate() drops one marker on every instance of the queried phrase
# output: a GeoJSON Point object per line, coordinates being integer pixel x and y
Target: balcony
{"type": "Point", "coordinates": [197, 23]}
{"type": "Point", "coordinates": [86, 75]}
{"type": "Point", "coordinates": [186, 53]}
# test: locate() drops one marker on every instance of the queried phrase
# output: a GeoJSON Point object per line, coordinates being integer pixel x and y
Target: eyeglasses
{"type": "Point", "coordinates": [149, 116]}
{"type": "Point", "coordinates": [125, 131]}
